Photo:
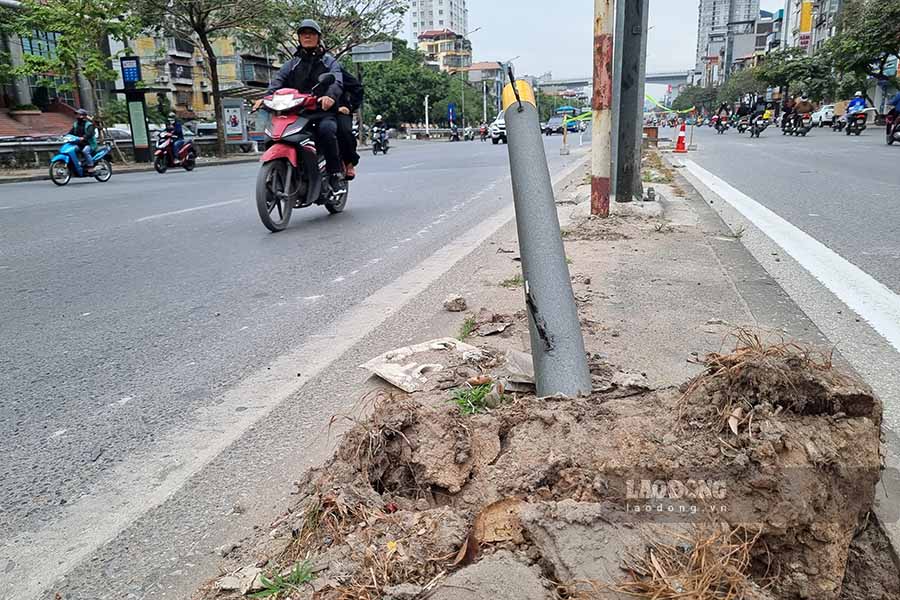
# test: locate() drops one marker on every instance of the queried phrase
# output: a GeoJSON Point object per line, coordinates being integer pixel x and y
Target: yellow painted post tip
{"type": "Point", "coordinates": [525, 93]}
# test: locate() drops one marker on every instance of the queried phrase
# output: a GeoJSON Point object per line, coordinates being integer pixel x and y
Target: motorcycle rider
{"type": "Point", "coordinates": [174, 126]}
{"type": "Point", "coordinates": [787, 110]}
{"type": "Point", "coordinates": [83, 128]}
{"type": "Point", "coordinates": [483, 131]}
{"type": "Point", "coordinates": [858, 104]}
{"type": "Point", "coordinates": [894, 113]}
{"type": "Point", "coordinates": [349, 103]}
{"type": "Point", "coordinates": [302, 73]}
{"type": "Point", "coordinates": [380, 129]}
{"type": "Point", "coordinates": [802, 106]}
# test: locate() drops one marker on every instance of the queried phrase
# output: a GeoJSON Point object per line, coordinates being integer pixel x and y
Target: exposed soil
{"type": "Point", "coordinates": [579, 489]}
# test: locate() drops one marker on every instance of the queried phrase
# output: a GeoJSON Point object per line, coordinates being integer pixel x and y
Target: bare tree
{"type": "Point", "coordinates": [201, 22]}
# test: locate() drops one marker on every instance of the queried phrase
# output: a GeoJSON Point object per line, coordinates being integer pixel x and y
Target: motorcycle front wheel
{"type": "Point", "coordinates": [190, 161]}
{"type": "Point", "coordinates": [59, 172]}
{"type": "Point", "coordinates": [160, 163]}
{"type": "Point", "coordinates": [102, 171]}
{"type": "Point", "coordinates": [274, 210]}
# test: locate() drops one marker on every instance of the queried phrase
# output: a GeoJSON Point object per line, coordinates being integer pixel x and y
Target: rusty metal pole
{"type": "Point", "coordinates": [601, 167]}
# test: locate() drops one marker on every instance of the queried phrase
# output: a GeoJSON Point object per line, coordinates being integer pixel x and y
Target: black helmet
{"type": "Point", "coordinates": [310, 24]}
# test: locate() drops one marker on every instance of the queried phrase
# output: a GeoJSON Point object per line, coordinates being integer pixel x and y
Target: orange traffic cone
{"type": "Point", "coordinates": [680, 147]}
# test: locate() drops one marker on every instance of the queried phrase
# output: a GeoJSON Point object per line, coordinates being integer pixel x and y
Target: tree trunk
{"type": "Point", "coordinates": [217, 100]}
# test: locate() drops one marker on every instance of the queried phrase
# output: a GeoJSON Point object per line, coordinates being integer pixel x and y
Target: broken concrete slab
{"type": "Point", "coordinates": [411, 368]}
{"type": "Point", "coordinates": [497, 577]}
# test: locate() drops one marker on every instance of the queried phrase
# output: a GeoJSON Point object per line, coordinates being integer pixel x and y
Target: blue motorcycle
{"type": "Point", "coordinates": [68, 164]}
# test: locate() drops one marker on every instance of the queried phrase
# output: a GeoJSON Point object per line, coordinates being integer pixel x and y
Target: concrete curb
{"type": "Point", "coordinates": [131, 169]}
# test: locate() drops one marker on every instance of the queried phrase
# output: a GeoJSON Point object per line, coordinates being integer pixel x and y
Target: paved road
{"type": "Point", "coordinates": [843, 191]}
{"type": "Point", "coordinates": [132, 306]}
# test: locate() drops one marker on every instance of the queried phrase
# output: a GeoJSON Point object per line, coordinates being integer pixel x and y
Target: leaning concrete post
{"type": "Point", "coordinates": [557, 347]}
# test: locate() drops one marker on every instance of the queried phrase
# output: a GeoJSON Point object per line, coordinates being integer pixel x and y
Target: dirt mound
{"type": "Point", "coordinates": [775, 452]}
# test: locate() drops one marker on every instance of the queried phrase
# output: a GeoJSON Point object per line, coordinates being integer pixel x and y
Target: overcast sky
{"type": "Point", "coordinates": [556, 36]}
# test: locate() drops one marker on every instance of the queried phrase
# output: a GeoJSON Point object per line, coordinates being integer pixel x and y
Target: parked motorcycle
{"type": "Point", "coordinates": [380, 141]}
{"type": "Point", "coordinates": [67, 163]}
{"type": "Point", "coordinates": [293, 173]}
{"type": "Point", "coordinates": [165, 156]}
{"type": "Point", "coordinates": [856, 123]}
{"type": "Point", "coordinates": [892, 124]}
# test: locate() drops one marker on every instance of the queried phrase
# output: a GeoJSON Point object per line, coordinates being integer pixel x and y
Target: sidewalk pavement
{"type": "Point", "coordinates": [659, 286]}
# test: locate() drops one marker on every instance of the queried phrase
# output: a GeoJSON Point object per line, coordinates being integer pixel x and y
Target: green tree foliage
{"type": "Point", "coordinates": [81, 26]}
{"type": "Point", "coordinates": [696, 96]}
{"type": "Point", "coordinates": [397, 89]}
{"type": "Point", "coordinates": [868, 36]}
{"type": "Point", "coordinates": [345, 23]}
{"type": "Point", "coordinates": [794, 69]}
{"type": "Point", "coordinates": [202, 21]}
{"type": "Point", "coordinates": [745, 81]}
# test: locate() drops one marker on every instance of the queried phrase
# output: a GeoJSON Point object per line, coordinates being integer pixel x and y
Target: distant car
{"type": "Point", "coordinates": [498, 130]}
{"type": "Point", "coordinates": [554, 125]}
{"type": "Point", "coordinates": [117, 134]}
{"type": "Point", "coordinates": [824, 115]}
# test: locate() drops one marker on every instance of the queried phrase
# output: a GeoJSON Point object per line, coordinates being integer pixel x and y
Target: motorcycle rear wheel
{"type": "Point", "coordinates": [160, 163]}
{"type": "Point", "coordinates": [59, 173]}
{"type": "Point", "coordinates": [269, 183]}
{"type": "Point", "coordinates": [190, 161]}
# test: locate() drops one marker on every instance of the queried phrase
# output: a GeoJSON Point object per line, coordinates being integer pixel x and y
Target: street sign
{"type": "Point", "coordinates": [805, 39]}
{"type": "Point", "coordinates": [451, 112]}
{"type": "Point", "coordinates": [131, 70]}
{"type": "Point", "coordinates": [374, 52]}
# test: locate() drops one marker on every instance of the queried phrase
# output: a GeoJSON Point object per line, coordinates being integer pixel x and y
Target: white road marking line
{"type": "Point", "coordinates": [862, 293]}
{"type": "Point", "coordinates": [312, 298]}
{"type": "Point", "coordinates": [187, 210]}
{"type": "Point", "coordinates": [338, 280]}
{"type": "Point", "coordinates": [244, 328]}
{"type": "Point", "coordinates": [356, 272]}
{"type": "Point", "coordinates": [87, 314]}
{"type": "Point", "coordinates": [5, 207]}
{"type": "Point", "coordinates": [56, 434]}
{"type": "Point", "coordinates": [392, 248]}
{"type": "Point", "coordinates": [412, 166]}
{"type": "Point", "coordinates": [403, 241]}
{"type": "Point", "coordinates": [122, 402]}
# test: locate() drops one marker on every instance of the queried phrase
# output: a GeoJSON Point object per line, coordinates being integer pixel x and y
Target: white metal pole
{"type": "Point", "coordinates": [484, 90]}
{"type": "Point", "coordinates": [427, 132]}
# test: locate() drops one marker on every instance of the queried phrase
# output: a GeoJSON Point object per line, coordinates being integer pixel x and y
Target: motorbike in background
{"type": "Point", "coordinates": [380, 141]}
{"type": "Point", "coordinates": [165, 155]}
{"type": "Point", "coordinates": [799, 125]}
{"type": "Point", "coordinates": [454, 133]}
{"type": "Point", "coordinates": [892, 123]}
{"type": "Point", "coordinates": [67, 163]}
{"type": "Point", "coordinates": [469, 134]}
{"type": "Point", "coordinates": [757, 126]}
{"type": "Point", "coordinates": [293, 173]}
{"type": "Point", "coordinates": [856, 123]}
{"type": "Point", "coordinates": [721, 126]}
{"type": "Point", "coordinates": [743, 124]}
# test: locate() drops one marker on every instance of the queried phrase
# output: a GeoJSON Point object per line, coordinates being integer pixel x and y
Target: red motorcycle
{"type": "Point", "coordinates": [892, 123]}
{"type": "Point", "coordinates": [293, 171]}
{"type": "Point", "coordinates": [165, 156]}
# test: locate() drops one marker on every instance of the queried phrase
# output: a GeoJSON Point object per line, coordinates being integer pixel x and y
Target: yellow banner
{"type": "Point", "coordinates": [806, 16]}
{"type": "Point", "coordinates": [656, 103]}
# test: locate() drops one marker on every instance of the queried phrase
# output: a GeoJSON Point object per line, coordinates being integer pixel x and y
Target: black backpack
{"type": "Point", "coordinates": [353, 91]}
